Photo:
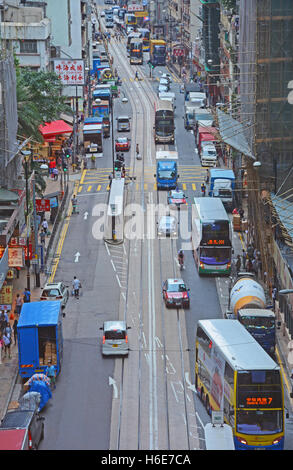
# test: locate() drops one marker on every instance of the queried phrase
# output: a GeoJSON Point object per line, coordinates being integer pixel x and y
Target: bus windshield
{"type": "Point", "coordinates": [259, 422]}
{"type": "Point", "coordinates": [160, 50]}
{"type": "Point", "coordinates": [215, 255]}
{"type": "Point", "coordinates": [164, 127]}
{"type": "Point", "coordinates": [166, 174]}
{"type": "Point", "coordinates": [255, 322]}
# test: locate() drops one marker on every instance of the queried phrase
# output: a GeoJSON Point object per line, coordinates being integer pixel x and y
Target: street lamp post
{"type": "Point", "coordinates": [26, 154]}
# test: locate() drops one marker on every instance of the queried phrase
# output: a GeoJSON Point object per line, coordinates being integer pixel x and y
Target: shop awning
{"type": "Point", "coordinates": [232, 133]}
{"type": "Point", "coordinates": [54, 128]}
{"type": "Point", "coordinates": [8, 196]}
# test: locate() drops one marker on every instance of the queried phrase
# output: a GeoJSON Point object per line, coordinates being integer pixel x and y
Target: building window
{"type": "Point", "coordinates": [28, 46]}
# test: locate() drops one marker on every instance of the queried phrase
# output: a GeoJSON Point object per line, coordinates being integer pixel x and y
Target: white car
{"type": "Point", "coordinates": [167, 227]}
{"type": "Point", "coordinates": [165, 82]}
{"type": "Point", "coordinates": [102, 14]}
{"type": "Point", "coordinates": [115, 338]}
{"type": "Point", "coordinates": [55, 291]}
{"type": "Point", "coordinates": [162, 89]}
{"type": "Point", "coordinates": [166, 76]}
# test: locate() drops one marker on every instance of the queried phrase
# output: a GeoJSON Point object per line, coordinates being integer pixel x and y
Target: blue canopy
{"type": "Point", "coordinates": [44, 390]}
{"type": "Point", "coordinates": [43, 313]}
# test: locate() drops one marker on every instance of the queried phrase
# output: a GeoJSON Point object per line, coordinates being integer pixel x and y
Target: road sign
{"type": "Point", "coordinates": [178, 51]}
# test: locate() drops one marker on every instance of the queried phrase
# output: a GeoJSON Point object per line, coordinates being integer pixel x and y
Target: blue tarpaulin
{"type": "Point", "coordinates": [44, 390]}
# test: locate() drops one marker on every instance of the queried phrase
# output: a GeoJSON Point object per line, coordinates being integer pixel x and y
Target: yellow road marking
{"type": "Point", "coordinates": [99, 188]}
{"type": "Point", "coordinates": [89, 188]}
{"type": "Point", "coordinates": [61, 240]}
{"type": "Point", "coordinates": [193, 186]}
{"type": "Point", "coordinates": [184, 186]}
{"type": "Point", "coordinates": [82, 176]}
{"type": "Point", "coordinates": [80, 189]}
{"type": "Point", "coordinates": [108, 188]}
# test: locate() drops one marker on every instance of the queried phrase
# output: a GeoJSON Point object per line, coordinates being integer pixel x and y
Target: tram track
{"type": "Point", "coordinates": [152, 431]}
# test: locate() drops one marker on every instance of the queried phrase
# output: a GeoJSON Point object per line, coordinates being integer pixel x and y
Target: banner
{"type": "Point", "coordinates": [16, 257]}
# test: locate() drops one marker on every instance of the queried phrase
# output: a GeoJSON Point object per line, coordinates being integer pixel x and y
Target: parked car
{"type": "Point", "coordinates": [162, 89]}
{"type": "Point", "coordinates": [165, 82]}
{"type": "Point", "coordinates": [102, 14]}
{"type": "Point", "coordinates": [175, 293]}
{"type": "Point", "coordinates": [55, 291]}
{"type": "Point", "coordinates": [115, 338]}
{"type": "Point", "coordinates": [122, 144]}
{"type": "Point", "coordinates": [167, 76]}
{"type": "Point", "coordinates": [30, 420]}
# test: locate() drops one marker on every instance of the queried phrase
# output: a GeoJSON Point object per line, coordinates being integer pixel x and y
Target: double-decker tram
{"type": "Point", "coordinates": [234, 374]}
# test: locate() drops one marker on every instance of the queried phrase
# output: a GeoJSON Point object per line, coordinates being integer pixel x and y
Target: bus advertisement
{"type": "Point", "coordinates": [164, 122]}
{"type": "Point", "coordinates": [136, 51]}
{"type": "Point", "coordinates": [211, 236]}
{"type": "Point", "coordinates": [234, 374]}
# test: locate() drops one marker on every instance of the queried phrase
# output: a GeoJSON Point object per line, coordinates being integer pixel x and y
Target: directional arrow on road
{"type": "Point", "coordinates": [115, 389]}
{"type": "Point", "coordinates": [85, 215]}
{"type": "Point", "coordinates": [189, 385]}
{"type": "Point", "coordinates": [77, 255]}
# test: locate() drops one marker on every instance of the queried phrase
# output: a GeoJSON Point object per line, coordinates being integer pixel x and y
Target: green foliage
{"type": "Point", "coordinates": [39, 100]}
{"type": "Point", "coordinates": [227, 4]}
{"type": "Point", "coordinates": [39, 179]}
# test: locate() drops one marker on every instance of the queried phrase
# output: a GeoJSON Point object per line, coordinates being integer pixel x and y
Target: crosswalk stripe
{"type": "Point", "coordinates": [80, 188]}
{"type": "Point", "coordinates": [184, 186]}
{"type": "Point", "coordinates": [99, 188]}
{"type": "Point", "coordinates": [89, 189]}
{"type": "Point", "coordinates": [193, 186]}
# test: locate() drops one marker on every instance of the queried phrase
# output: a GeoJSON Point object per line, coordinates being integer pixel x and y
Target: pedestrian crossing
{"type": "Point", "coordinates": [97, 181]}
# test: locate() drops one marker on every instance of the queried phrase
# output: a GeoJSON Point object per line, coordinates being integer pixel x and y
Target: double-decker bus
{"type": "Point", "coordinates": [145, 34]}
{"type": "Point", "coordinates": [133, 35]}
{"type": "Point", "coordinates": [235, 375]}
{"type": "Point", "coordinates": [211, 236]}
{"type": "Point", "coordinates": [158, 50]}
{"type": "Point", "coordinates": [136, 51]}
{"type": "Point", "coordinates": [164, 122]}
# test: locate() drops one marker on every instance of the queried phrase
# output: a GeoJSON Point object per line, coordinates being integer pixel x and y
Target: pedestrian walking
{"type": "Point", "coordinates": [244, 258]}
{"type": "Point", "coordinates": [18, 304]}
{"type": "Point", "coordinates": [55, 174]}
{"type": "Point", "coordinates": [26, 296]}
{"type": "Point", "coordinates": [45, 226]}
{"type": "Point", "coordinates": [255, 266]}
{"type": "Point", "coordinates": [42, 237]}
{"type": "Point", "coordinates": [50, 371]}
{"type": "Point", "coordinates": [238, 264]}
{"type": "Point", "coordinates": [207, 178]}
{"type": "Point", "coordinates": [203, 189]}
{"type": "Point", "coordinates": [3, 321]}
{"type": "Point", "coordinates": [7, 343]}
{"type": "Point", "coordinates": [241, 213]}
{"type": "Point", "coordinates": [14, 327]}
{"type": "Point", "coordinates": [76, 284]}
{"type": "Point", "coordinates": [249, 265]}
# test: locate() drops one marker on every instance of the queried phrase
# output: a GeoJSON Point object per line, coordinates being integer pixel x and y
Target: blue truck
{"type": "Point", "coordinates": [166, 169]}
{"type": "Point", "coordinates": [39, 337]}
{"type": "Point", "coordinates": [222, 185]}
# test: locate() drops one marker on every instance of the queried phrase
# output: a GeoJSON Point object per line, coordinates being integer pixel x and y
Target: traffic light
{"type": "Point", "coordinates": [117, 165]}
{"type": "Point", "coordinates": [64, 166]}
{"type": "Point", "coordinates": [152, 66]}
{"type": "Point", "coordinates": [67, 153]}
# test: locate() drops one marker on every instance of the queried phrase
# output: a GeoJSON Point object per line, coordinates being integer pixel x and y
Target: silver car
{"type": "Point", "coordinates": [167, 227]}
{"type": "Point", "coordinates": [115, 339]}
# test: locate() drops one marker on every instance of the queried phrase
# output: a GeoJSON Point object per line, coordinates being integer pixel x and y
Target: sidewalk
{"type": "Point", "coordinates": [9, 367]}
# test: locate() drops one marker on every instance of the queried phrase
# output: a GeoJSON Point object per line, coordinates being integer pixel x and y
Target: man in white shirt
{"type": "Point", "coordinates": [76, 286]}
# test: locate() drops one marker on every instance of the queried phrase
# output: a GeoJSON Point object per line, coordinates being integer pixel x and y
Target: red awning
{"type": "Point", "coordinates": [55, 128]}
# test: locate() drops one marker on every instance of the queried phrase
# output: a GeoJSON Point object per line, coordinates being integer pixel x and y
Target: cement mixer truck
{"type": "Point", "coordinates": [247, 303]}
